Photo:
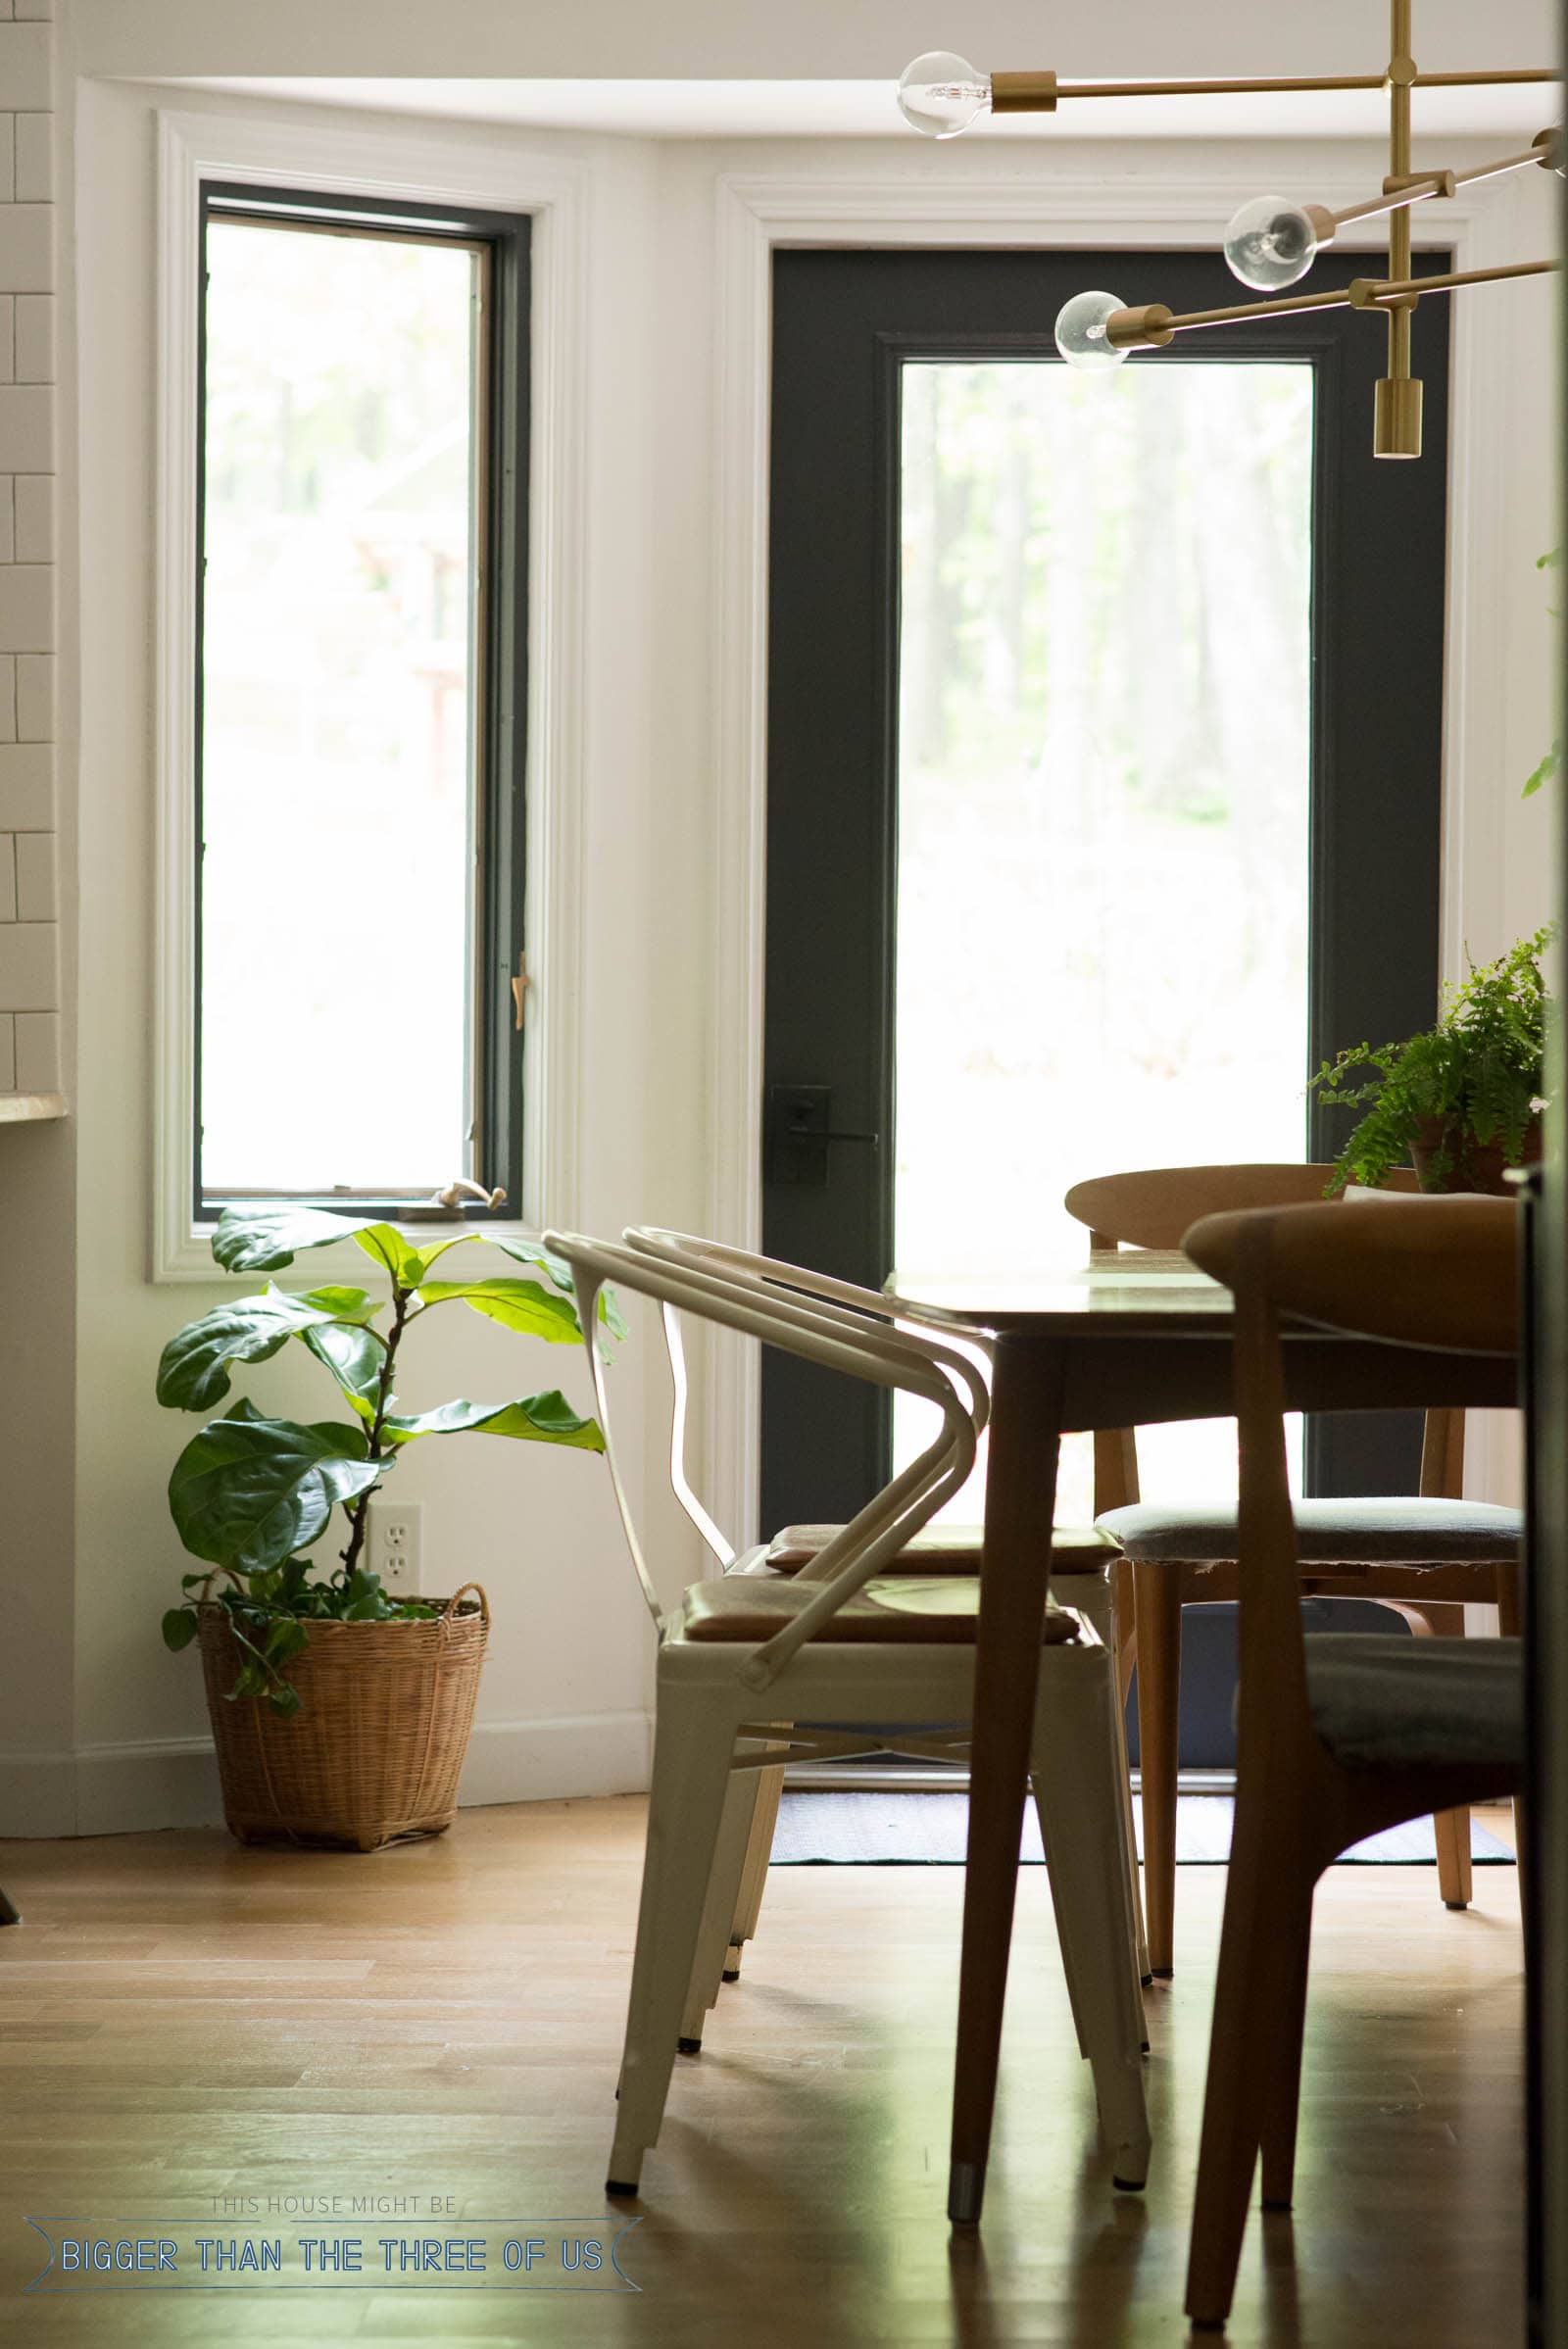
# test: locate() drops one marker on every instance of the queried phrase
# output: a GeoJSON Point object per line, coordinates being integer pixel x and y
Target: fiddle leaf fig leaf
{"type": "Point", "coordinates": [354, 1355]}
{"type": "Point", "coordinates": [534, 1418]}
{"type": "Point", "coordinates": [193, 1373]}
{"type": "Point", "coordinates": [264, 1239]}
{"type": "Point", "coordinates": [249, 1491]}
{"type": "Point", "coordinates": [521, 1305]}
{"type": "Point", "coordinates": [530, 1251]}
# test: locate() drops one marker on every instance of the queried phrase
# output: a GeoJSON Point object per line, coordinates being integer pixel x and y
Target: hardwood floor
{"type": "Point", "coordinates": [182, 2019]}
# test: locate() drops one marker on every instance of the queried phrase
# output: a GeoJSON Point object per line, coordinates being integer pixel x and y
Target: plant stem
{"type": "Point", "coordinates": [360, 1512]}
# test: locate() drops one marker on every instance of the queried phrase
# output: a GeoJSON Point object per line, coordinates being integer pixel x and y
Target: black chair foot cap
{"type": "Point", "coordinates": [1128, 2185]}
{"type": "Point", "coordinates": [690, 2046]}
{"type": "Point", "coordinates": [1142, 2046]}
{"type": "Point", "coordinates": [1208, 2325]}
{"type": "Point", "coordinates": [728, 1975]}
{"type": "Point", "coordinates": [1146, 1980]}
{"type": "Point", "coordinates": [1160, 1974]}
{"type": "Point", "coordinates": [618, 2188]}
{"type": "Point", "coordinates": [1274, 2206]}
{"type": "Point", "coordinates": [1459, 1906]}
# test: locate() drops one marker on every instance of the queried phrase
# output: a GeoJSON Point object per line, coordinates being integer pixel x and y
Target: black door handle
{"type": "Point", "coordinates": [798, 1131]}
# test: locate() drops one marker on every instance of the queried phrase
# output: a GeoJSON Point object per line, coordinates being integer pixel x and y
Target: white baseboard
{"type": "Point", "coordinates": [173, 1781]}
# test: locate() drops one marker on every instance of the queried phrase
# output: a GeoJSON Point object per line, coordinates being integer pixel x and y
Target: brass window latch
{"type": "Point", "coordinates": [520, 986]}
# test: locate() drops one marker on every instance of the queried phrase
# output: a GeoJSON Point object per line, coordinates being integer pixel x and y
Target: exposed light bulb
{"type": "Point", "coordinates": [941, 94]}
{"type": "Point", "coordinates": [1270, 243]}
{"type": "Point", "coordinates": [1081, 335]}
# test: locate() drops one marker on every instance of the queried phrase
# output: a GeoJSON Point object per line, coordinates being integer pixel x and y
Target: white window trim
{"type": "Point", "coordinates": [509, 176]}
{"type": "Point", "coordinates": [1137, 202]}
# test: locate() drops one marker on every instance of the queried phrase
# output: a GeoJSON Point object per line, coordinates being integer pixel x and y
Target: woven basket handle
{"type": "Point", "coordinates": [205, 1593]}
{"type": "Point", "coordinates": [451, 1607]}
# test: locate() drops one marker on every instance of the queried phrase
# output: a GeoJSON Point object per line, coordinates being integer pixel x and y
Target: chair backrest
{"type": "Point", "coordinates": [1429, 1273]}
{"type": "Point", "coordinates": [741, 1303]}
{"type": "Point", "coordinates": [1152, 1207]}
{"type": "Point", "coordinates": [842, 1302]}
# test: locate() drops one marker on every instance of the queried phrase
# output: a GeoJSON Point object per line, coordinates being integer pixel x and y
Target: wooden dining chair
{"type": "Point", "coordinates": [853, 1658]}
{"type": "Point", "coordinates": [1424, 1555]}
{"type": "Point", "coordinates": [1079, 1561]}
{"type": "Point", "coordinates": [1339, 1736]}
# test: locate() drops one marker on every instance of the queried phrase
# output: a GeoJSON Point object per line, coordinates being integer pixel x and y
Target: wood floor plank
{"type": "Point", "coordinates": [182, 2022]}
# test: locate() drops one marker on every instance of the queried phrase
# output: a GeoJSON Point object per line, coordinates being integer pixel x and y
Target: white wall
{"type": "Point", "coordinates": [563, 1697]}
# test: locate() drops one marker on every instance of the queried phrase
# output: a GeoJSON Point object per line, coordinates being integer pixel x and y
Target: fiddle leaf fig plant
{"type": "Point", "coordinates": [250, 1493]}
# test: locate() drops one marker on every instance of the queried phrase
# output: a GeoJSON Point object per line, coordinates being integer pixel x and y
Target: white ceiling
{"type": "Point", "coordinates": [711, 110]}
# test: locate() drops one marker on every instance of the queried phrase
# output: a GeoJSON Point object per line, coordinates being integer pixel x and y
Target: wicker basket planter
{"type": "Point", "coordinates": [377, 1749]}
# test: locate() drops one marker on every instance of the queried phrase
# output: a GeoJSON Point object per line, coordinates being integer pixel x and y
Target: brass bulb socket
{"type": "Point", "coordinates": [1149, 327]}
{"type": "Point", "coordinates": [1023, 93]}
{"type": "Point", "coordinates": [1550, 145]}
{"type": "Point", "coordinates": [1397, 417]}
{"type": "Point", "coordinates": [1325, 227]}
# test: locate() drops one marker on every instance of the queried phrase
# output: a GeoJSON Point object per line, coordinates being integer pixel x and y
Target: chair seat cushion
{"type": "Point", "coordinates": [1389, 1704]}
{"type": "Point", "coordinates": [1414, 1532]}
{"type": "Point", "coordinates": [947, 1548]}
{"type": "Point", "coordinates": [922, 1608]}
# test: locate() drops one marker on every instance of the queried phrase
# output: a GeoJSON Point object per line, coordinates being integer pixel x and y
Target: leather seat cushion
{"type": "Point", "coordinates": [921, 1608]}
{"type": "Point", "coordinates": [947, 1548]}
{"type": "Point", "coordinates": [1393, 1702]}
{"type": "Point", "coordinates": [1413, 1531]}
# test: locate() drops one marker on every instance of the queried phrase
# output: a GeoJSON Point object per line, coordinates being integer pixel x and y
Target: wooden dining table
{"type": "Point", "coordinates": [1120, 1341]}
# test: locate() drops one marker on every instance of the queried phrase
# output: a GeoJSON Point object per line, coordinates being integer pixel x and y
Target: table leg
{"type": "Point", "coordinates": [1020, 1501]}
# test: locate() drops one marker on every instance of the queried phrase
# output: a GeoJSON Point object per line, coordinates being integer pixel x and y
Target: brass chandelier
{"type": "Point", "coordinates": [1271, 242]}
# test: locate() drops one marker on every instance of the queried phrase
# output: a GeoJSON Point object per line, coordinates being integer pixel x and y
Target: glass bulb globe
{"type": "Point", "coordinates": [1081, 336]}
{"type": "Point", "coordinates": [1270, 243]}
{"type": "Point", "coordinates": [941, 94]}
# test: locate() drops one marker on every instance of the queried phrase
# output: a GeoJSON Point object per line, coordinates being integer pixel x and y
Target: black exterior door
{"type": "Point", "coordinates": [846, 323]}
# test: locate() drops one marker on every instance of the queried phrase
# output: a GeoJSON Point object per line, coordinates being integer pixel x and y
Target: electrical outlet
{"type": "Point", "coordinates": [395, 1545]}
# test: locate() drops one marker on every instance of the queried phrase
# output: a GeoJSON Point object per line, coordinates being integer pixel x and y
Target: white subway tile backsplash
{"type": "Point", "coordinates": [27, 787]}
{"type": "Point", "coordinates": [27, 426]}
{"type": "Point", "coordinates": [26, 65]}
{"type": "Point", "coordinates": [8, 150]}
{"type": "Point", "coordinates": [7, 1054]}
{"type": "Point", "coordinates": [8, 338]}
{"type": "Point", "coordinates": [28, 975]}
{"type": "Point", "coordinates": [8, 875]}
{"type": "Point", "coordinates": [8, 697]}
{"type": "Point", "coordinates": [34, 165]}
{"type": "Point", "coordinates": [36, 336]}
{"type": "Point", "coordinates": [27, 245]}
{"type": "Point", "coordinates": [34, 503]}
{"type": "Point", "coordinates": [35, 697]}
{"type": "Point", "coordinates": [32, 9]}
{"type": "Point", "coordinates": [27, 606]}
{"type": "Point", "coordinates": [35, 877]}
{"type": "Point", "coordinates": [37, 1051]}
{"type": "Point", "coordinates": [8, 520]}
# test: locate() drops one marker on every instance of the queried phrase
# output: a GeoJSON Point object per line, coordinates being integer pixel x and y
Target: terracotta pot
{"type": "Point", "coordinates": [1473, 1165]}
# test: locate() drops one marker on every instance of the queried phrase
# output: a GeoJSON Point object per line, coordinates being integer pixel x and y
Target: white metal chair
{"type": "Point", "coordinates": [851, 1659]}
{"type": "Point", "coordinates": [1081, 1560]}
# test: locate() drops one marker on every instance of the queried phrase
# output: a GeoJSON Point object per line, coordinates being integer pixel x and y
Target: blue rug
{"type": "Point", "coordinates": [929, 1831]}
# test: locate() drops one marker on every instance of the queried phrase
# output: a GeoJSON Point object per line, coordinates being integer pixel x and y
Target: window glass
{"type": "Point", "coordinates": [342, 464]}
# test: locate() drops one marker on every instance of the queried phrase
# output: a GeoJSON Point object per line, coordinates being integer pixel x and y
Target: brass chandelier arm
{"type": "Point", "coordinates": [1151, 326]}
{"type": "Point", "coordinates": [1042, 93]}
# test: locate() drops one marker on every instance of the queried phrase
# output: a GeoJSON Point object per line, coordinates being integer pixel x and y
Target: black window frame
{"type": "Point", "coordinates": [495, 1149]}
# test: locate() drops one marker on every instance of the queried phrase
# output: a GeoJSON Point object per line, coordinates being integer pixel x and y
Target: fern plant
{"type": "Point", "coordinates": [1470, 1085]}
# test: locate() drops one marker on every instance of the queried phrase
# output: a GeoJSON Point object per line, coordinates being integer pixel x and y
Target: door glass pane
{"type": "Point", "coordinates": [337, 746]}
{"type": "Point", "coordinates": [1103, 807]}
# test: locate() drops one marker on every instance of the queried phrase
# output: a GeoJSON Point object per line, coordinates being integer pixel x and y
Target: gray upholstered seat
{"type": "Point", "coordinates": [1382, 1702]}
{"type": "Point", "coordinates": [1410, 1532]}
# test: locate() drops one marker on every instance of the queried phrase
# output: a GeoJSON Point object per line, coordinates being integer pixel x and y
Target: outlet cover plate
{"type": "Point", "coordinates": [395, 1545]}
